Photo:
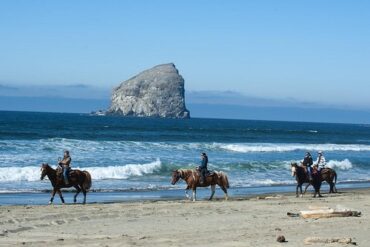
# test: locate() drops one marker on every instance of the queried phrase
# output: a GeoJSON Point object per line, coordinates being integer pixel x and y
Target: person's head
{"type": "Point", "coordinates": [320, 153]}
{"type": "Point", "coordinates": [308, 154]}
{"type": "Point", "coordinates": [66, 153]}
{"type": "Point", "coordinates": [203, 155]}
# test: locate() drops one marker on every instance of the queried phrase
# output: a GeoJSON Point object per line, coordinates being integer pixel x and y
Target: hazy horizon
{"type": "Point", "coordinates": [287, 54]}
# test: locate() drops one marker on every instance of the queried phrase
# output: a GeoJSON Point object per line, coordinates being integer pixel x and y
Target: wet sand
{"type": "Point", "coordinates": [254, 221]}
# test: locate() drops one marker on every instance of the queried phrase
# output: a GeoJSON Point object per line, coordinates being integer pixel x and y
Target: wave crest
{"type": "Point", "coordinates": [32, 173]}
{"type": "Point", "coordinates": [270, 147]}
{"type": "Point", "coordinates": [341, 165]}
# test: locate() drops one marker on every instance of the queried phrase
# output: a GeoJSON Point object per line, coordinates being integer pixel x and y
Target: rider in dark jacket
{"type": "Point", "coordinates": [203, 168]}
{"type": "Point", "coordinates": [308, 162]}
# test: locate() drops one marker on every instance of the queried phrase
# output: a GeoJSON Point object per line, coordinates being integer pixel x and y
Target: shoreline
{"type": "Point", "coordinates": [255, 220]}
{"type": "Point", "coordinates": [42, 198]}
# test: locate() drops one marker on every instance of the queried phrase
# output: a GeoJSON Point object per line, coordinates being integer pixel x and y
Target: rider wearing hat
{"type": "Point", "coordinates": [203, 167]}
{"type": "Point", "coordinates": [308, 162]}
{"type": "Point", "coordinates": [320, 162]}
{"type": "Point", "coordinates": [65, 164]}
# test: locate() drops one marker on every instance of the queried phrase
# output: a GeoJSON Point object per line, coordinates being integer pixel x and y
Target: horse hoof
{"type": "Point", "coordinates": [301, 196]}
{"type": "Point", "coordinates": [50, 202]}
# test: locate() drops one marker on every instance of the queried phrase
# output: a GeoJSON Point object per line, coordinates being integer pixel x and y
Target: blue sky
{"type": "Point", "coordinates": [309, 51]}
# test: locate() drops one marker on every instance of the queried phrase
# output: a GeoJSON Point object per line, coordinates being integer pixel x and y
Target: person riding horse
{"type": "Point", "coordinates": [203, 168]}
{"type": "Point", "coordinates": [65, 165]}
{"type": "Point", "coordinates": [320, 162]}
{"type": "Point", "coordinates": [308, 162]}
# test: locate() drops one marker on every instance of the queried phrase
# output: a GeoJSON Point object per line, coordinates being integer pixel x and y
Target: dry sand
{"type": "Point", "coordinates": [237, 222]}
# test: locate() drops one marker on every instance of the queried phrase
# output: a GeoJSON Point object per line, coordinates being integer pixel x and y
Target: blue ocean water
{"type": "Point", "coordinates": [138, 154]}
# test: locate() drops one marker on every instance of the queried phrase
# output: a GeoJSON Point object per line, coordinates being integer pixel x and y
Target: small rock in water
{"type": "Point", "coordinates": [281, 239]}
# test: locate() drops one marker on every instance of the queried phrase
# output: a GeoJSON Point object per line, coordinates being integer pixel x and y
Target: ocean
{"type": "Point", "coordinates": [133, 157]}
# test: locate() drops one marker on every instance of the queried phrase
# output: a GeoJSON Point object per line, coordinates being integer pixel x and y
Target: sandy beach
{"type": "Point", "coordinates": [254, 221]}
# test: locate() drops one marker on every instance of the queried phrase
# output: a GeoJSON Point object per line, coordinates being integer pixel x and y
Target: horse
{"type": "Point", "coordinates": [326, 174]}
{"type": "Point", "coordinates": [80, 180]}
{"type": "Point", "coordinates": [192, 179]}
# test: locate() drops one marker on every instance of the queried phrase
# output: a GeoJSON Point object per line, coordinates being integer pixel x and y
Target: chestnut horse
{"type": "Point", "coordinates": [326, 174]}
{"type": "Point", "coordinates": [81, 180]}
{"type": "Point", "coordinates": [192, 179]}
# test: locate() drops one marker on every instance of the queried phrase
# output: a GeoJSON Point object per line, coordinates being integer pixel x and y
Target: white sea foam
{"type": "Point", "coordinates": [123, 172]}
{"type": "Point", "coordinates": [270, 147]}
{"type": "Point", "coordinates": [11, 174]}
{"type": "Point", "coordinates": [341, 165]}
{"type": "Point", "coordinates": [32, 173]}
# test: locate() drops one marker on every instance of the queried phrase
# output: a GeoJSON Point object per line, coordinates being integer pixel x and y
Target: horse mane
{"type": "Point", "coordinates": [294, 164]}
{"type": "Point", "coordinates": [184, 172]}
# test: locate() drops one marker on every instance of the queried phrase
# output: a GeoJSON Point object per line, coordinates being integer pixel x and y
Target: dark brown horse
{"type": "Point", "coordinates": [326, 174]}
{"type": "Point", "coordinates": [192, 179]}
{"type": "Point", "coordinates": [81, 180]}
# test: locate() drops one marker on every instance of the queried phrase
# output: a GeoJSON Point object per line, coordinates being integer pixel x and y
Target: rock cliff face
{"type": "Point", "coordinates": [156, 92]}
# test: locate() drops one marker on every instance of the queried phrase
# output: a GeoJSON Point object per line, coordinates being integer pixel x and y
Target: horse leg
{"type": "Point", "coordinates": [194, 194]}
{"type": "Point", "coordinates": [84, 192]}
{"type": "Point", "coordinates": [331, 190]}
{"type": "Point", "coordinates": [60, 195]}
{"type": "Point", "coordinates": [78, 191]}
{"type": "Point", "coordinates": [296, 191]}
{"type": "Point", "coordinates": [225, 191]}
{"type": "Point", "coordinates": [305, 189]}
{"type": "Point", "coordinates": [186, 193]}
{"type": "Point", "coordinates": [52, 195]}
{"type": "Point", "coordinates": [300, 189]}
{"type": "Point", "coordinates": [213, 189]}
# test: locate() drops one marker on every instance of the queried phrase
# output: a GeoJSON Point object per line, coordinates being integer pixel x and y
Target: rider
{"type": "Point", "coordinates": [320, 162]}
{"type": "Point", "coordinates": [307, 162]}
{"type": "Point", "coordinates": [203, 167]}
{"type": "Point", "coordinates": [65, 164]}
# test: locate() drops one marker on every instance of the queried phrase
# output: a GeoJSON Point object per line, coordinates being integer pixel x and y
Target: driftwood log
{"type": "Point", "coordinates": [328, 213]}
{"type": "Point", "coordinates": [317, 240]}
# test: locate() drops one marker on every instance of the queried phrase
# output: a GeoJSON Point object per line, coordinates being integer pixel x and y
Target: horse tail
{"type": "Point", "coordinates": [224, 179]}
{"type": "Point", "coordinates": [87, 181]}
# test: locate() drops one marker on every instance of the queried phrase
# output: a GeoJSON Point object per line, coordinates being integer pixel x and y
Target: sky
{"type": "Point", "coordinates": [300, 51]}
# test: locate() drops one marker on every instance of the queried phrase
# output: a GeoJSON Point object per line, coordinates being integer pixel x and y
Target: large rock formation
{"type": "Point", "coordinates": [156, 92]}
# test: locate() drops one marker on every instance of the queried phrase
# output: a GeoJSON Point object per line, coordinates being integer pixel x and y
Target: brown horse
{"type": "Point", "coordinates": [326, 174]}
{"type": "Point", "coordinates": [81, 180]}
{"type": "Point", "coordinates": [192, 179]}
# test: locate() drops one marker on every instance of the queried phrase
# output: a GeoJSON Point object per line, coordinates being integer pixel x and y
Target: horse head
{"type": "Point", "coordinates": [44, 170]}
{"type": "Point", "coordinates": [294, 167]}
{"type": "Point", "coordinates": [176, 175]}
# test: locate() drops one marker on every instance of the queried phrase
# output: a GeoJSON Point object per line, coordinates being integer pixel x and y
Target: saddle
{"type": "Point", "coordinates": [59, 169]}
{"type": "Point", "coordinates": [314, 170]}
{"type": "Point", "coordinates": [210, 173]}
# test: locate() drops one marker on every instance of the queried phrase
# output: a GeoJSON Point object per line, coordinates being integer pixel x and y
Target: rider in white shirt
{"type": "Point", "coordinates": [320, 162]}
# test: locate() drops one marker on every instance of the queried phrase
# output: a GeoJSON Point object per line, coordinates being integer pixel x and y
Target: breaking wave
{"type": "Point", "coordinates": [32, 173]}
{"type": "Point", "coordinates": [341, 165]}
{"type": "Point", "coordinates": [269, 147]}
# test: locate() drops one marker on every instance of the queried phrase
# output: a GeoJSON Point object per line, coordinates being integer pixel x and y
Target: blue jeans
{"type": "Point", "coordinates": [309, 171]}
{"type": "Point", "coordinates": [65, 173]}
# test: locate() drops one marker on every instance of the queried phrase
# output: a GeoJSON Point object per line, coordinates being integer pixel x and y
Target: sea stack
{"type": "Point", "coordinates": [156, 92]}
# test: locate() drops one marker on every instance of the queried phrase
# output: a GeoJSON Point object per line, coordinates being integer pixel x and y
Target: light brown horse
{"type": "Point", "coordinates": [192, 179]}
{"type": "Point", "coordinates": [81, 180]}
